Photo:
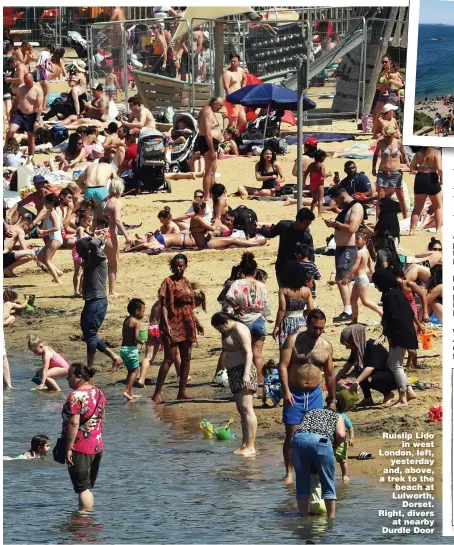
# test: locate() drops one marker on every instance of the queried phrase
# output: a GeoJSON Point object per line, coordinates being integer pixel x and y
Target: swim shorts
{"type": "Point", "coordinates": [427, 183]}
{"type": "Point", "coordinates": [387, 179]}
{"type": "Point", "coordinates": [362, 280]}
{"type": "Point", "coordinates": [159, 237]}
{"type": "Point", "coordinates": [236, 379]}
{"type": "Point", "coordinates": [302, 402]}
{"type": "Point", "coordinates": [345, 258]}
{"type": "Point", "coordinates": [341, 452]}
{"type": "Point", "coordinates": [99, 193]}
{"type": "Point", "coordinates": [202, 145]}
{"type": "Point", "coordinates": [24, 121]}
{"type": "Point", "coordinates": [130, 357]}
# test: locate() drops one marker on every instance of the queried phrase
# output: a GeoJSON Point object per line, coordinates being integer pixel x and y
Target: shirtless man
{"type": "Point", "coordinates": [18, 236]}
{"type": "Point", "coordinates": [36, 197]}
{"type": "Point", "coordinates": [236, 358]}
{"type": "Point", "coordinates": [234, 78]}
{"type": "Point", "coordinates": [139, 116]}
{"type": "Point", "coordinates": [190, 50]}
{"type": "Point", "coordinates": [20, 69]}
{"type": "Point", "coordinates": [116, 36]}
{"type": "Point", "coordinates": [94, 181]}
{"type": "Point", "coordinates": [95, 112]}
{"type": "Point", "coordinates": [210, 136]}
{"type": "Point", "coordinates": [345, 227]}
{"type": "Point", "coordinates": [26, 111]}
{"type": "Point", "coordinates": [229, 146]}
{"type": "Point", "coordinates": [112, 141]}
{"type": "Point", "coordinates": [303, 358]}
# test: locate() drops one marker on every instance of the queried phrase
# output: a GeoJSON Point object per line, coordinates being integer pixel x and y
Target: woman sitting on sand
{"type": "Point", "coordinates": [74, 155]}
{"type": "Point", "coordinates": [435, 292]}
{"type": "Point", "coordinates": [220, 204]}
{"type": "Point", "coordinates": [421, 264]}
{"type": "Point", "coordinates": [168, 226]}
{"type": "Point", "coordinates": [269, 172]}
{"type": "Point", "coordinates": [183, 221]}
{"type": "Point", "coordinates": [73, 105]}
{"type": "Point", "coordinates": [368, 362]}
{"type": "Point", "coordinates": [429, 176]}
{"type": "Point", "coordinates": [201, 232]}
{"type": "Point", "coordinates": [389, 175]}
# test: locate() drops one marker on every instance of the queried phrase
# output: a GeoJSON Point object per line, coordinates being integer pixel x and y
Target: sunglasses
{"type": "Point", "coordinates": [437, 248]}
{"type": "Point", "coordinates": [384, 62]}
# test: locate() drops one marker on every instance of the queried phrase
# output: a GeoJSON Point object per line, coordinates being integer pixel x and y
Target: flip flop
{"type": "Point", "coordinates": [362, 456]}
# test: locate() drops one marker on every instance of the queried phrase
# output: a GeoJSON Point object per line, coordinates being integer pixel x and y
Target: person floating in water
{"type": "Point", "coordinates": [40, 446]}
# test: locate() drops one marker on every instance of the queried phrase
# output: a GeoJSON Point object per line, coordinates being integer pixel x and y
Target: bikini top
{"type": "Point", "coordinates": [294, 304]}
{"type": "Point", "coordinates": [385, 151]}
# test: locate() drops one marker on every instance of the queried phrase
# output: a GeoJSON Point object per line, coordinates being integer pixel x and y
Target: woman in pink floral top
{"type": "Point", "coordinates": [249, 299]}
{"type": "Point", "coordinates": [83, 418]}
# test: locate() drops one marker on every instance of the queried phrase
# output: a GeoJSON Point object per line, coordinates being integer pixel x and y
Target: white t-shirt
{"type": "Point", "coordinates": [208, 214]}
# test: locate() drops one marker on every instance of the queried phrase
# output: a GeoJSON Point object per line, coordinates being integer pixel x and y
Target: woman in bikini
{"type": "Point", "coordinates": [220, 204]}
{"type": "Point", "coordinates": [269, 172]}
{"type": "Point", "coordinates": [389, 175]}
{"type": "Point", "coordinates": [202, 233]}
{"type": "Point", "coordinates": [426, 164]}
{"type": "Point", "coordinates": [111, 207]}
{"type": "Point", "coordinates": [389, 84]}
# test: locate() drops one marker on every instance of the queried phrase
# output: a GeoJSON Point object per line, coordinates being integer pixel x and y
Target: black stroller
{"type": "Point", "coordinates": [179, 160]}
{"type": "Point", "coordinates": [254, 129]}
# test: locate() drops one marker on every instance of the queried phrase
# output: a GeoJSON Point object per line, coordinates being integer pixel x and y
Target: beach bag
{"type": "Point", "coordinates": [367, 122]}
{"type": "Point", "coordinates": [58, 134]}
{"type": "Point", "coordinates": [42, 136]}
{"type": "Point", "coordinates": [245, 219]}
{"type": "Point", "coordinates": [113, 111]}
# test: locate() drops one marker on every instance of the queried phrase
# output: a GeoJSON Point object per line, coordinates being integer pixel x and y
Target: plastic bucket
{"type": "Point", "coordinates": [207, 429]}
{"type": "Point", "coordinates": [223, 433]}
{"type": "Point", "coordinates": [426, 339]}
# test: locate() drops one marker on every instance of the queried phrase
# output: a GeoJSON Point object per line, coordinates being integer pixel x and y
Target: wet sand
{"type": "Point", "coordinates": [58, 314]}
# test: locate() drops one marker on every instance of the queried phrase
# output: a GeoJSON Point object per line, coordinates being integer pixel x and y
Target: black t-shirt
{"type": "Point", "coordinates": [289, 236]}
{"type": "Point", "coordinates": [376, 356]}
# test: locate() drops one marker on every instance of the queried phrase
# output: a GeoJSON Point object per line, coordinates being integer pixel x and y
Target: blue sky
{"type": "Point", "coordinates": [436, 11]}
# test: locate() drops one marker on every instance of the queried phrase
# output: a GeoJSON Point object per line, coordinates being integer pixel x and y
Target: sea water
{"type": "Point", "coordinates": [434, 76]}
{"type": "Point", "coordinates": [159, 481]}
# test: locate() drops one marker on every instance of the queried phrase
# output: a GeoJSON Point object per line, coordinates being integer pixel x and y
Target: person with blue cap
{"type": "Point", "coordinates": [37, 197]}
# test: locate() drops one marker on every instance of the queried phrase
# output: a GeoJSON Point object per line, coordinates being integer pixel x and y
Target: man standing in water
{"type": "Point", "coordinates": [234, 78]}
{"type": "Point", "coordinates": [210, 136]}
{"type": "Point", "coordinates": [26, 111]}
{"type": "Point", "coordinates": [303, 358]}
{"type": "Point", "coordinates": [345, 227]}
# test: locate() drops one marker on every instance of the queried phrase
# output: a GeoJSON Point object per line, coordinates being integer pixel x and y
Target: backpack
{"type": "Point", "coordinates": [58, 134]}
{"type": "Point", "coordinates": [42, 136]}
{"type": "Point", "coordinates": [245, 219]}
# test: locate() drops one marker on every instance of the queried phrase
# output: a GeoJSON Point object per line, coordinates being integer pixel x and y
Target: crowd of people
{"type": "Point", "coordinates": [85, 216]}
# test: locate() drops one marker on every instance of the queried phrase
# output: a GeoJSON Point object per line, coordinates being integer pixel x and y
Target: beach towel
{"type": "Point", "coordinates": [321, 137]}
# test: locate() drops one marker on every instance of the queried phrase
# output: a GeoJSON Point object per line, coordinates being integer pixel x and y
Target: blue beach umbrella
{"type": "Point", "coordinates": [268, 95]}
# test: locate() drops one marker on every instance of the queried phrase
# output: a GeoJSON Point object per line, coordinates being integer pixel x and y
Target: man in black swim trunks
{"type": "Point", "coordinates": [26, 111]}
{"type": "Point", "coordinates": [210, 136]}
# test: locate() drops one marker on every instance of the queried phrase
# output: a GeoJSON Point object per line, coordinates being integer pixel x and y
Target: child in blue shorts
{"type": "Point", "coordinates": [131, 338]}
{"type": "Point", "coordinates": [342, 449]}
{"type": "Point", "coordinates": [272, 387]}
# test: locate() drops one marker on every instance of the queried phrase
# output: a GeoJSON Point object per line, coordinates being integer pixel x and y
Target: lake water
{"type": "Point", "coordinates": [435, 59]}
{"type": "Point", "coordinates": [161, 482]}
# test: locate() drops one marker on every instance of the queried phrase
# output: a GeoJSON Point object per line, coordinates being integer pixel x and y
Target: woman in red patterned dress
{"type": "Point", "coordinates": [178, 325]}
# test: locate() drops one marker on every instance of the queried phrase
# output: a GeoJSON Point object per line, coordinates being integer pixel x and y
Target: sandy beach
{"type": "Point", "coordinates": [58, 312]}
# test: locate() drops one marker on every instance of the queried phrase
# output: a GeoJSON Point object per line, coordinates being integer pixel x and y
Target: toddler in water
{"type": "Point", "coordinates": [84, 221]}
{"type": "Point", "coordinates": [40, 446]}
{"type": "Point", "coordinates": [54, 365]}
{"type": "Point", "coordinates": [10, 305]}
{"type": "Point", "coordinates": [342, 450]}
{"type": "Point", "coordinates": [317, 173]}
{"type": "Point", "coordinates": [272, 387]}
{"type": "Point", "coordinates": [129, 352]}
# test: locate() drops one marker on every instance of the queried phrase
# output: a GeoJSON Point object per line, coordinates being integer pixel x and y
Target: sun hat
{"type": "Point", "coordinates": [80, 65]}
{"type": "Point", "coordinates": [388, 107]}
{"type": "Point", "coordinates": [311, 141]}
{"type": "Point", "coordinates": [38, 179]}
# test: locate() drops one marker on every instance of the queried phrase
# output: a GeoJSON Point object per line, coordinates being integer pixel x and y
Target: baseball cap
{"type": "Point", "coordinates": [389, 107]}
{"type": "Point", "coordinates": [98, 87]}
{"type": "Point", "coordinates": [39, 179]}
{"type": "Point", "coordinates": [311, 141]}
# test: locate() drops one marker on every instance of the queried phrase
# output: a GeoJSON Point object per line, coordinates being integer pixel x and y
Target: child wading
{"type": "Point", "coordinates": [131, 338]}
{"type": "Point", "coordinates": [54, 365]}
{"type": "Point", "coordinates": [342, 449]}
